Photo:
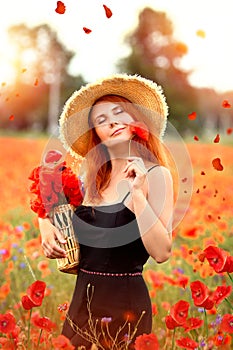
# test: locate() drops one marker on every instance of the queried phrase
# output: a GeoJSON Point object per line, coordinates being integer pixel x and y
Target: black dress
{"type": "Point", "coordinates": [110, 272]}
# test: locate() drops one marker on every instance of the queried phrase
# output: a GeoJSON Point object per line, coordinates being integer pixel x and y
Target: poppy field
{"type": "Point", "coordinates": [191, 294]}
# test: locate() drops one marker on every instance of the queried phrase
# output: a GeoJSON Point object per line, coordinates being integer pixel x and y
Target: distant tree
{"type": "Point", "coordinates": [156, 54]}
{"type": "Point", "coordinates": [42, 71]}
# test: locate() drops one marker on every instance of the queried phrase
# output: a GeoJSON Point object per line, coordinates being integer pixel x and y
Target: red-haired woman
{"type": "Point", "coordinates": [116, 125]}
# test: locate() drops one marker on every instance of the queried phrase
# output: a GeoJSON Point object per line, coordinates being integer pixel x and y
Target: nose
{"type": "Point", "coordinates": [112, 123]}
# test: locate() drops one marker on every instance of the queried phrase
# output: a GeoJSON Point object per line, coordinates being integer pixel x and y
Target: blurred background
{"type": "Point", "coordinates": [46, 53]}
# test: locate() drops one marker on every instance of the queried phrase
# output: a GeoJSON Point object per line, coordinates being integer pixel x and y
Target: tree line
{"type": "Point", "coordinates": [41, 87]}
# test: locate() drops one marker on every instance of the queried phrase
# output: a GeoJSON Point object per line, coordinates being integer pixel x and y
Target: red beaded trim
{"type": "Point", "coordinates": [112, 274]}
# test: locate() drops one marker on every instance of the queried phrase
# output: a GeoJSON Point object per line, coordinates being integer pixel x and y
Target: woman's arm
{"type": "Point", "coordinates": [49, 237]}
{"type": "Point", "coordinates": [153, 210]}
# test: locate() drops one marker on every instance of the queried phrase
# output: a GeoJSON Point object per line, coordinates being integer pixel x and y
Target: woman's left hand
{"type": "Point", "coordinates": [136, 172]}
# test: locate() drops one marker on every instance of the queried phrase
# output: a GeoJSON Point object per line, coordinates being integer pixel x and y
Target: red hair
{"type": "Point", "coordinates": [98, 162]}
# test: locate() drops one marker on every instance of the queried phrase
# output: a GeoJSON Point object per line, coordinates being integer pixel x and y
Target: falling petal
{"type": "Point", "coordinates": [3, 83]}
{"type": "Point", "coordinates": [192, 115]}
{"type": "Point", "coordinates": [202, 173]}
{"type": "Point", "coordinates": [217, 164]}
{"type": "Point", "coordinates": [87, 30]}
{"type": "Point", "coordinates": [229, 131]}
{"type": "Point", "coordinates": [36, 82]}
{"type": "Point", "coordinates": [201, 33]}
{"type": "Point", "coordinates": [108, 12]}
{"type": "Point", "coordinates": [196, 138]}
{"type": "Point", "coordinates": [217, 138]}
{"type": "Point", "coordinates": [60, 8]}
{"type": "Point", "coordinates": [24, 70]}
{"type": "Point", "coordinates": [11, 117]}
{"type": "Point", "coordinates": [184, 179]}
{"type": "Point", "coordinates": [226, 104]}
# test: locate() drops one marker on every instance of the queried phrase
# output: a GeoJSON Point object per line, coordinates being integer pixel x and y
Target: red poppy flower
{"type": "Point", "coordinates": [170, 322]}
{"type": "Point", "coordinates": [226, 104]}
{"type": "Point", "coordinates": [179, 311]}
{"type": "Point", "coordinates": [221, 339]}
{"type": "Point", "coordinates": [200, 295]}
{"type": "Point", "coordinates": [221, 293]}
{"type": "Point", "coordinates": [140, 129]}
{"type": "Point", "coordinates": [226, 324]}
{"type": "Point", "coordinates": [61, 342]}
{"type": "Point", "coordinates": [217, 259]}
{"type": "Point", "coordinates": [192, 116]}
{"type": "Point", "coordinates": [27, 303]}
{"type": "Point", "coordinates": [7, 323]}
{"type": "Point", "coordinates": [43, 322]}
{"type": "Point", "coordinates": [35, 292]}
{"type": "Point", "coordinates": [192, 323]}
{"type": "Point", "coordinates": [147, 342]}
{"type": "Point", "coordinates": [187, 343]}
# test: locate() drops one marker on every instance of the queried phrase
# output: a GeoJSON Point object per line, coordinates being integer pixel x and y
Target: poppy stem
{"type": "Point", "coordinates": [38, 343]}
{"type": "Point", "coordinates": [130, 144]}
{"type": "Point", "coordinates": [229, 303]}
{"type": "Point", "coordinates": [230, 277]}
{"type": "Point", "coordinates": [29, 328]}
{"type": "Point", "coordinates": [206, 324]}
{"type": "Point", "coordinates": [30, 268]}
{"type": "Point", "coordinates": [173, 338]}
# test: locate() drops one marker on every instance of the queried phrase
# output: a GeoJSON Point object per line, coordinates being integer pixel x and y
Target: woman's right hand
{"type": "Point", "coordinates": [50, 235]}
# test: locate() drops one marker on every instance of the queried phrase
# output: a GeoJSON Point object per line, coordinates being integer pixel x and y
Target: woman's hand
{"type": "Point", "coordinates": [50, 235]}
{"type": "Point", "coordinates": [136, 172]}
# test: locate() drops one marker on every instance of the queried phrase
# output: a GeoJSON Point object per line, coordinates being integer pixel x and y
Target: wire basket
{"type": "Point", "coordinates": [62, 218]}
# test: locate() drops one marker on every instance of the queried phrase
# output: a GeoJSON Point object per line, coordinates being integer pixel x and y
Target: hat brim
{"type": "Point", "coordinates": [143, 93]}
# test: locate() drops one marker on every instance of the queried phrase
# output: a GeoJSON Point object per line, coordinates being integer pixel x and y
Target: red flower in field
{"type": "Point", "coordinates": [200, 295]}
{"type": "Point", "coordinates": [187, 343]}
{"type": "Point", "coordinates": [192, 116]}
{"type": "Point", "coordinates": [43, 322]}
{"type": "Point", "coordinates": [27, 303]}
{"type": "Point", "coordinates": [7, 323]}
{"type": "Point", "coordinates": [61, 342]}
{"type": "Point", "coordinates": [36, 292]}
{"type": "Point", "coordinates": [6, 344]}
{"type": "Point", "coordinates": [221, 339]}
{"type": "Point", "coordinates": [179, 311]}
{"type": "Point", "coordinates": [227, 324]}
{"type": "Point", "coordinates": [226, 104]}
{"type": "Point", "coordinates": [192, 323]}
{"type": "Point", "coordinates": [170, 322]}
{"type": "Point", "coordinates": [147, 342]}
{"type": "Point", "coordinates": [219, 259]}
{"type": "Point", "coordinates": [140, 129]}
{"type": "Point", "coordinates": [108, 12]}
{"type": "Point", "coordinates": [221, 293]}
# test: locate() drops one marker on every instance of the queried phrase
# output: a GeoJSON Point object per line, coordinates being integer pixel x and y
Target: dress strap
{"type": "Point", "coordinates": [154, 166]}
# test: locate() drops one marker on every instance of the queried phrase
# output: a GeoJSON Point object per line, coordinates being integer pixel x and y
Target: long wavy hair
{"type": "Point", "coordinates": [98, 163]}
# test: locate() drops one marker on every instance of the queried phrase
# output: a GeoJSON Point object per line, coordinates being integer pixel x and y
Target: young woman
{"type": "Point", "coordinates": [126, 214]}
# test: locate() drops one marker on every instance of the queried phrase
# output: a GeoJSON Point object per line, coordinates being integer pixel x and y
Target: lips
{"type": "Point", "coordinates": [117, 131]}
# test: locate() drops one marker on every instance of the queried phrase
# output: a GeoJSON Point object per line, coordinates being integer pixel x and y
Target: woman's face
{"type": "Point", "coordinates": [111, 121]}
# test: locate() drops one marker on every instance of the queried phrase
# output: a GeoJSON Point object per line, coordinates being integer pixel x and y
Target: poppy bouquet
{"type": "Point", "coordinates": [54, 184]}
{"type": "Point", "coordinates": [58, 192]}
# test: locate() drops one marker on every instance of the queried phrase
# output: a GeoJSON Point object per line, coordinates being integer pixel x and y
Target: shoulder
{"type": "Point", "coordinates": [159, 173]}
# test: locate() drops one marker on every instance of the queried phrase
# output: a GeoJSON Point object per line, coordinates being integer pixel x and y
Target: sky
{"type": "Point", "coordinates": [210, 56]}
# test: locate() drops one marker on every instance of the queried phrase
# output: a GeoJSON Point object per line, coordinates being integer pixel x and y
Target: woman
{"type": "Point", "coordinates": [126, 213]}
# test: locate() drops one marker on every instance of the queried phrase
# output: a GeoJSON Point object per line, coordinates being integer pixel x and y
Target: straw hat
{"type": "Point", "coordinates": [145, 94]}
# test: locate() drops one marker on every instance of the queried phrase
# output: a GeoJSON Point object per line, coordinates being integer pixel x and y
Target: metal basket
{"type": "Point", "coordinates": [62, 218]}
